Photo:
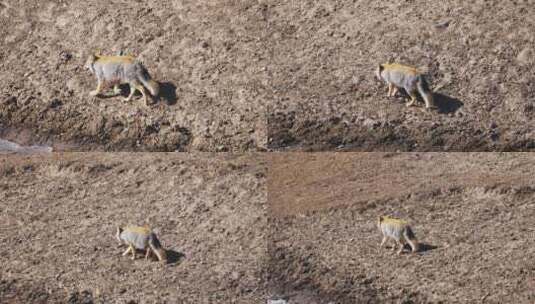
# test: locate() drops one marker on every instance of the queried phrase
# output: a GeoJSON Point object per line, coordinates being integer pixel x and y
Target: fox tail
{"type": "Point", "coordinates": [147, 81]}
{"type": "Point", "coordinates": [156, 247]}
{"type": "Point", "coordinates": [427, 94]}
{"type": "Point", "coordinates": [411, 239]}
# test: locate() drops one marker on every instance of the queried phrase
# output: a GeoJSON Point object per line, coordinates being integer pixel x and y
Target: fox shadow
{"type": "Point", "coordinates": [167, 93]}
{"type": "Point", "coordinates": [174, 257]}
{"type": "Point", "coordinates": [423, 247]}
{"type": "Point", "coordinates": [446, 104]}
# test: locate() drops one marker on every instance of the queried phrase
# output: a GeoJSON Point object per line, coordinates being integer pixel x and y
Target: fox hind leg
{"type": "Point", "coordinates": [127, 250]}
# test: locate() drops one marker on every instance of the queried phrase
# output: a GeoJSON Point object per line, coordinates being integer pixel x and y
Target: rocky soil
{"type": "Point", "coordinates": [209, 58]}
{"type": "Point", "coordinates": [58, 218]}
{"type": "Point", "coordinates": [479, 56]}
{"type": "Point", "coordinates": [474, 216]}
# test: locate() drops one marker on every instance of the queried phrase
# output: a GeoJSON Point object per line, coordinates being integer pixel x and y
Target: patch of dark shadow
{"type": "Point", "coordinates": [380, 139]}
{"type": "Point", "coordinates": [336, 141]}
{"type": "Point", "coordinates": [233, 166]}
{"type": "Point", "coordinates": [518, 190]}
{"type": "Point", "coordinates": [152, 128]}
{"type": "Point", "coordinates": [424, 247]}
{"type": "Point", "coordinates": [13, 291]}
{"type": "Point", "coordinates": [55, 103]}
{"type": "Point", "coordinates": [168, 93]}
{"type": "Point", "coordinates": [279, 129]}
{"type": "Point", "coordinates": [69, 165]}
{"type": "Point", "coordinates": [391, 154]}
{"type": "Point", "coordinates": [524, 145]}
{"type": "Point", "coordinates": [83, 297]}
{"type": "Point", "coordinates": [183, 139]}
{"type": "Point", "coordinates": [425, 195]}
{"type": "Point", "coordinates": [174, 257]}
{"type": "Point", "coordinates": [28, 168]}
{"type": "Point", "coordinates": [435, 137]}
{"type": "Point", "coordinates": [446, 104]}
{"type": "Point", "coordinates": [100, 168]}
{"type": "Point", "coordinates": [454, 190]}
{"type": "Point", "coordinates": [11, 100]}
{"type": "Point", "coordinates": [529, 110]}
{"type": "Point", "coordinates": [303, 275]}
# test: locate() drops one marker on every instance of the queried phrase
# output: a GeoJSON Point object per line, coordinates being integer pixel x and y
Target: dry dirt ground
{"type": "Point", "coordinates": [479, 56]}
{"type": "Point", "coordinates": [58, 217]}
{"type": "Point", "coordinates": [209, 57]}
{"type": "Point", "coordinates": [473, 213]}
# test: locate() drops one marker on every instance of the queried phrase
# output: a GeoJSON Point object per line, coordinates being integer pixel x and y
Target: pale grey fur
{"type": "Point", "coordinates": [412, 83]}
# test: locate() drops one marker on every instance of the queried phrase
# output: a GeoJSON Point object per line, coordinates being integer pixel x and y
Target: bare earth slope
{"type": "Point", "coordinates": [58, 217]}
{"type": "Point", "coordinates": [479, 56]}
{"type": "Point", "coordinates": [208, 56]}
{"type": "Point", "coordinates": [475, 221]}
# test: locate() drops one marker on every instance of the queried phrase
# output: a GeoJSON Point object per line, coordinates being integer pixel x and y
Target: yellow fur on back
{"type": "Point", "coordinates": [393, 220]}
{"type": "Point", "coordinates": [115, 59]}
{"type": "Point", "coordinates": [145, 230]}
{"type": "Point", "coordinates": [401, 68]}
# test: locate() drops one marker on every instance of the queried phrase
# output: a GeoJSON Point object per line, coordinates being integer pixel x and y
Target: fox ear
{"type": "Point", "coordinates": [381, 218]}
{"type": "Point", "coordinates": [97, 53]}
{"type": "Point", "coordinates": [381, 68]}
{"type": "Point", "coordinates": [93, 57]}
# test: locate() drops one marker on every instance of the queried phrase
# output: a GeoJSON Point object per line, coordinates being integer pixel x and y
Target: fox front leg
{"type": "Point", "coordinates": [147, 254]}
{"type": "Point", "coordinates": [383, 242]}
{"type": "Point", "coordinates": [127, 250]}
{"type": "Point", "coordinates": [97, 90]}
{"type": "Point", "coordinates": [390, 89]}
{"type": "Point", "coordinates": [133, 252]}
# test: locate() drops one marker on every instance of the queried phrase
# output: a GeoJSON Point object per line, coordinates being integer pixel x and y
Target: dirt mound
{"type": "Point", "coordinates": [473, 215]}
{"type": "Point", "coordinates": [59, 215]}
{"type": "Point", "coordinates": [209, 58]}
{"type": "Point", "coordinates": [478, 55]}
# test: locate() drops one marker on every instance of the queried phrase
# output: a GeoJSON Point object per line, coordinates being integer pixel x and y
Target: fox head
{"type": "Point", "coordinates": [89, 64]}
{"type": "Point", "coordinates": [380, 219]}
